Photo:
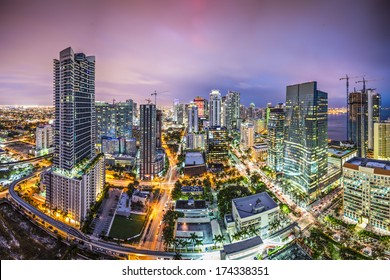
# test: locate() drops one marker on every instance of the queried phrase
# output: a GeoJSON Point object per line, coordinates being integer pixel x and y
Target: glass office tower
{"type": "Point", "coordinates": [306, 136]}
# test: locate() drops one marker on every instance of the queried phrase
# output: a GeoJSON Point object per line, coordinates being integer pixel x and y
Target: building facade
{"type": "Point", "coordinates": [275, 143]}
{"type": "Point", "coordinates": [306, 135]}
{"type": "Point", "coordinates": [215, 108]}
{"type": "Point", "coordinates": [114, 119]}
{"type": "Point", "coordinates": [382, 141]}
{"type": "Point", "coordinates": [217, 145]}
{"type": "Point", "coordinates": [147, 141]}
{"type": "Point", "coordinates": [358, 121]}
{"type": "Point", "coordinates": [374, 115]}
{"type": "Point", "coordinates": [232, 110]}
{"type": "Point", "coordinates": [192, 113]}
{"type": "Point", "coordinates": [367, 194]}
{"type": "Point", "coordinates": [78, 175]}
{"type": "Point", "coordinates": [247, 135]}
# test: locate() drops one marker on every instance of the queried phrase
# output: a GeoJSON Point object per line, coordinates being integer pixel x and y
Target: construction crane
{"type": "Point", "coordinates": [155, 96]}
{"type": "Point", "coordinates": [148, 100]}
{"type": "Point", "coordinates": [347, 86]}
{"type": "Point", "coordinates": [364, 81]}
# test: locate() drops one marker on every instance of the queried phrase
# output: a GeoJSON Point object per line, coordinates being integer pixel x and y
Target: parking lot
{"type": "Point", "coordinates": [101, 223]}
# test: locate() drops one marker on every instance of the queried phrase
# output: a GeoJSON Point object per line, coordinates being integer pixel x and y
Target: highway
{"type": "Point", "coordinates": [24, 160]}
{"type": "Point", "coordinates": [94, 244]}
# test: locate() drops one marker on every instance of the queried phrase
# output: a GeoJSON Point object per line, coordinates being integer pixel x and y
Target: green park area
{"type": "Point", "coordinates": [123, 228]}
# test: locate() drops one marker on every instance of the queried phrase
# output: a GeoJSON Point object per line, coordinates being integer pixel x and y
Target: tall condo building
{"type": "Point", "coordinates": [77, 177]}
{"type": "Point", "coordinates": [192, 112]}
{"type": "Point", "coordinates": [201, 103]}
{"type": "Point", "coordinates": [247, 135]}
{"type": "Point", "coordinates": [148, 151]}
{"type": "Point", "coordinates": [374, 114]}
{"type": "Point", "coordinates": [114, 119]}
{"type": "Point", "coordinates": [358, 121]}
{"type": "Point", "coordinates": [306, 135]}
{"type": "Point", "coordinates": [382, 141]}
{"type": "Point", "coordinates": [366, 193]}
{"type": "Point", "coordinates": [276, 119]}
{"type": "Point", "coordinates": [232, 110]}
{"type": "Point", "coordinates": [215, 108]}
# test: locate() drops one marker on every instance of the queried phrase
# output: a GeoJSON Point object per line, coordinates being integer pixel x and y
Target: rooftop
{"type": "Point", "coordinates": [190, 204]}
{"type": "Point", "coordinates": [339, 152]}
{"type": "Point", "coordinates": [370, 163]}
{"type": "Point", "coordinates": [254, 204]}
{"type": "Point", "coordinates": [243, 245]}
{"type": "Point", "coordinates": [194, 158]}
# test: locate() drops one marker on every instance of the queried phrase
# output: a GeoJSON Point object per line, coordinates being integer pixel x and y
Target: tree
{"type": "Point", "coordinates": [193, 238]}
{"type": "Point", "coordinates": [226, 195]}
{"type": "Point", "coordinates": [220, 238]}
{"type": "Point", "coordinates": [236, 236]}
{"type": "Point", "coordinates": [198, 242]}
{"type": "Point", "coordinates": [176, 192]}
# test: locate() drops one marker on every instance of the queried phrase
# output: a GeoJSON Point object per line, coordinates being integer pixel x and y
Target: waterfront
{"type": "Point", "coordinates": [337, 125]}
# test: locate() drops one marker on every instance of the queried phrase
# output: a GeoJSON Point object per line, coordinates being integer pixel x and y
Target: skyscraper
{"type": "Point", "coordinates": [215, 108]}
{"type": "Point", "coordinates": [217, 145]}
{"type": "Point", "coordinates": [77, 177]}
{"type": "Point", "coordinates": [374, 114]}
{"type": "Point", "coordinates": [200, 102]}
{"type": "Point", "coordinates": [192, 118]}
{"type": "Point", "coordinates": [306, 135]}
{"type": "Point", "coordinates": [232, 110]}
{"type": "Point", "coordinates": [275, 142]}
{"type": "Point", "coordinates": [358, 121]}
{"type": "Point", "coordinates": [114, 119]}
{"type": "Point", "coordinates": [148, 141]}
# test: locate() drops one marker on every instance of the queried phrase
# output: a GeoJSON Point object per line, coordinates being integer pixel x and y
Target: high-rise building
{"type": "Point", "coordinates": [358, 121]}
{"type": "Point", "coordinates": [382, 141]}
{"type": "Point", "coordinates": [148, 140]}
{"type": "Point", "coordinates": [251, 111]}
{"type": "Point", "coordinates": [306, 136]}
{"type": "Point", "coordinates": [192, 118]}
{"type": "Point", "coordinates": [43, 137]}
{"type": "Point", "coordinates": [217, 145]}
{"type": "Point", "coordinates": [159, 117]}
{"type": "Point", "coordinates": [366, 193]}
{"type": "Point", "coordinates": [232, 110]}
{"type": "Point", "coordinates": [77, 177]}
{"type": "Point", "coordinates": [114, 119]}
{"type": "Point", "coordinates": [275, 143]}
{"type": "Point", "coordinates": [200, 102]}
{"type": "Point", "coordinates": [215, 108]}
{"type": "Point", "coordinates": [247, 135]}
{"type": "Point", "coordinates": [374, 114]}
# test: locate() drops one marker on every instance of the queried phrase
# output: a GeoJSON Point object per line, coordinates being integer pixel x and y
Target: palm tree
{"type": "Point", "coordinates": [182, 243]}
{"type": "Point", "coordinates": [236, 236]}
{"type": "Point", "coordinates": [198, 242]}
{"type": "Point", "coordinates": [218, 239]}
{"type": "Point", "coordinates": [193, 238]}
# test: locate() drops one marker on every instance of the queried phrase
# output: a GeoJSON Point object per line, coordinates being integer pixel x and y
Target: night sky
{"type": "Point", "coordinates": [189, 48]}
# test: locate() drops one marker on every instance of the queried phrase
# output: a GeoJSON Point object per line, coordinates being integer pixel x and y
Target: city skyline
{"type": "Point", "coordinates": [190, 48]}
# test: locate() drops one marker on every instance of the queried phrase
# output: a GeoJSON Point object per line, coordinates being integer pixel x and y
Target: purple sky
{"type": "Point", "coordinates": [190, 47]}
